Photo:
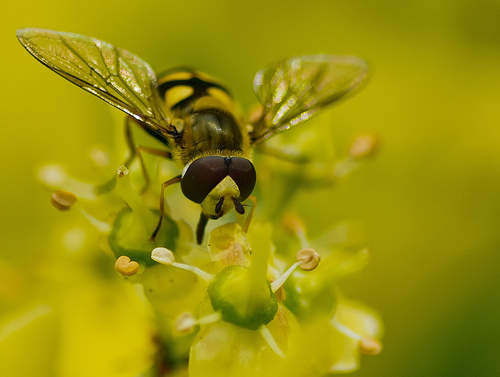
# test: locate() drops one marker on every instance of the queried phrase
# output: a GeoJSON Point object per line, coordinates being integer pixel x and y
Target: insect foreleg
{"type": "Point", "coordinates": [200, 228]}
{"type": "Point", "coordinates": [137, 151]}
{"type": "Point", "coordinates": [164, 185]}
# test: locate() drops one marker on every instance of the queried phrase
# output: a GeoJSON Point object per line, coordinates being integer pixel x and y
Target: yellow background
{"type": "Point", "coordinates": [429, 201]}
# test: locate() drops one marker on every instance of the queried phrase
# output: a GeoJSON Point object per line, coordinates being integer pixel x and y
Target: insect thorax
{"type": "Point", "coordinates": [208, 113]}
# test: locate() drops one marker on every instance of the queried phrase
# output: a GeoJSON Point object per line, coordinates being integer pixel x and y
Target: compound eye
{"type": "Point", "coordinates": [202, 176]}
{"type": "Point", "coordinates": [243, 173]}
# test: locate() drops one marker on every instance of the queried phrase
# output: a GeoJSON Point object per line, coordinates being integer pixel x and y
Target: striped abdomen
{"type": "Point", "coordinates": [208, 112]}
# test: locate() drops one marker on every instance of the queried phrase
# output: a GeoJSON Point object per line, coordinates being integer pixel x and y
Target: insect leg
{"type": "Point", "coordinates": [134, 151]}
{"type": "Point", "coordinates": [164, 185]}
{"type": "Point", "coordinates": [200, 228]}
{"type": "Point", "coordinates": [283, 154]}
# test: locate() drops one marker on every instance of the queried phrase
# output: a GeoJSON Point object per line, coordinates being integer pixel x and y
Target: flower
{"type": "Point", "coordinates": [257, 299]}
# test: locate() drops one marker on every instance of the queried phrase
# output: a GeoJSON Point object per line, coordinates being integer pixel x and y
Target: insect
{"type": "Point", "coordinates": [193, 115]}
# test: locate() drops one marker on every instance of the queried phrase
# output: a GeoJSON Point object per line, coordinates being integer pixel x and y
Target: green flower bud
{"type": "Point", "coordinates": [243, 295]}
{"type": "Point", "coordinates": [307, 296]}
{"type": "Point", "coordinates": [231, 295]}
{"type": "Point", "coordinates": [130, 238]}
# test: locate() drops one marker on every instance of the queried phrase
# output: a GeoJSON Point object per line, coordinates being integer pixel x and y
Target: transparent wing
{"type": "Point", "coordinates": [115, 75]}
{"type": "Point", "coordinates": [293, 90]}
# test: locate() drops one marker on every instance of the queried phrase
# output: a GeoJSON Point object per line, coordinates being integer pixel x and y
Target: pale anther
{"type": "Point", "coordinates": [62, 200]}
{"type": "Point", "coordinates": [370, 346]}
{"type": "Point", "coordinates": [185, 323]}
{"type": "Point", "coordinates": [163, 255]}
{"type": "Point", "coordinates": [309, 259]}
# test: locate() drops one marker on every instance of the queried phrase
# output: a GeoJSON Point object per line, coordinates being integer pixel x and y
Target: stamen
{"type": "Point", "coordinates": [238, 207]}
{"type": "Point", "coordinates": [125, 266]}
{"type": "Point", "coordinates": [295, 225]}
{"type": "Point", "coordinates": [55, 176]}
{"type": "Point", "coordinates": [64, 200]}
{"type": "Point", "coordinates": [367, 345]}
{"type": "Point", "coordinates": [275, 285]}
{"type": "Point", "coordinates": [211, 318]}
{"type": "Point", "coordinates": [271, 342]}
{"type": "Point", "coordinates": [101, 226]}
{"type": "Point", "coordinates": [186, 322]}
{"type": "Point", "coordinates": [253, 199]}
{"type": "Point", "coordinates": [133, 199]}
{"type": "Point", "coordinates": [307, 259]}
{"type": "Point", "coordinates": [164, 256]}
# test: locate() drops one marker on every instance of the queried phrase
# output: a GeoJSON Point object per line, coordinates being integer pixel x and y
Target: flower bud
{"type": "Point", "coordinates": [231, 295]}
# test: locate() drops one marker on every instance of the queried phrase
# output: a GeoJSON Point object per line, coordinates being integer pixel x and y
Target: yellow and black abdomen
{"type": "Point", "coordinates": [209, 114]}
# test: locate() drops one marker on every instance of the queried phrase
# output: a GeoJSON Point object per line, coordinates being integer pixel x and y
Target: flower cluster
{"type": "Point", "coordinates": [257, 298]}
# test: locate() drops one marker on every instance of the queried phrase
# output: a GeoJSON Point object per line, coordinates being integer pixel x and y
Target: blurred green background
{"type": "Point", "coordinates": [429, 201]}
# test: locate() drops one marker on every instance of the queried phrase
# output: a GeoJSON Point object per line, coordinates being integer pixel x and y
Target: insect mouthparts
{"type": "Point", "coordinates": [218, 206]}
{"type": "Point", "coordinates": [238, 206]}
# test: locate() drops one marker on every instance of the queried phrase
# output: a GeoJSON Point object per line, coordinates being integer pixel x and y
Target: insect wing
{"type": "Point", "coordinates": [115, 75]}
{"type": "Point", "coordinates": [293, 90]}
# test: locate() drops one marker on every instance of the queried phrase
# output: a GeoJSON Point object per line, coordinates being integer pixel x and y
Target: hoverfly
{"type": "Point", "coordinates": [194, 116]}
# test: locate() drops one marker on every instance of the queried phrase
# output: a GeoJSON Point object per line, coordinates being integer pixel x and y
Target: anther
{"type": "Point", "coordinates": [307, 259]}
{"type": "Point", "coordinates": [363, 146]}
{"type": "Point", "coordinates": [295, 225]}
{"type": "Point", "coordinates": [52, 175]}
{"type": "Point", "coordinates": [370, 346]}
{"type": "Point", "coordinates": [99, 157]}
{"type": "Point", "coordinates": [185, 323]}
{"type": "Point", "coordinates": [62, 200]}
{"type": "Point", "coordinates": [55, 177]}
{"type": "Point", "coordinates": [164, 256]}
{"type": "Point", "coordinates": [125, 266]}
